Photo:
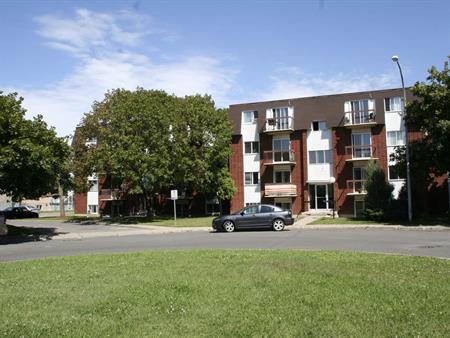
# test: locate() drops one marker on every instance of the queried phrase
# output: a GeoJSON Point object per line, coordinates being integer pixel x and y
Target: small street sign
{"type": "Point", "coordinates": [173, 194]}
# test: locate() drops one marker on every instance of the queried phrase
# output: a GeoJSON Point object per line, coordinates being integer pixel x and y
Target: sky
{"type": "Point", "coordinates": [61, 56]}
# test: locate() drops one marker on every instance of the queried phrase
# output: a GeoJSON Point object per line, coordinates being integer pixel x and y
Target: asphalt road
{"type": "Point", "coordinates": [409, 242]}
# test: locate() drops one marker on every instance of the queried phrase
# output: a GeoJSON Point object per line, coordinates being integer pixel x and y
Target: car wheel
{"type": "Point", "coordinates": [278, 224]}
{"type": "Point", "coordinates": [228, 226]}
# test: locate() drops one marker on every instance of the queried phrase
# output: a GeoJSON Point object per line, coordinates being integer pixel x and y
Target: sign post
{"type": "Point", "coordinates": [174, 197]}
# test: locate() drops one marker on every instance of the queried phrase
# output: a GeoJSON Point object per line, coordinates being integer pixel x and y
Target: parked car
{"type": "Point", "coordinates": [19, 212]}
{"type": "Point", "coordinates": [254, 216]}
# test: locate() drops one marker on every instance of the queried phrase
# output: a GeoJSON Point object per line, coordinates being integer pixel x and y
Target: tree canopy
{"type": "Point", "coordinates": [151, 141]}
{"type": "Point", "coordinates": [33, 160]}
{"type": "Point", "coordinates": [430, 114]}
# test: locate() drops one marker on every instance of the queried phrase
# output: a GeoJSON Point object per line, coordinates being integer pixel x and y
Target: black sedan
{"type": "Point", "coordinates": [19, 212]}
{"type": "Point", "coordinates": [254, 216]}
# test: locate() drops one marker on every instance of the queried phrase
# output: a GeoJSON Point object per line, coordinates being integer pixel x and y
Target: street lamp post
{"type": "Point", "coordinates": [408, 176]}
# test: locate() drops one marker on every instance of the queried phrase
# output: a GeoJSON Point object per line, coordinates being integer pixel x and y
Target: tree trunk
{"type": "Point", "coordinates": [62, 211]}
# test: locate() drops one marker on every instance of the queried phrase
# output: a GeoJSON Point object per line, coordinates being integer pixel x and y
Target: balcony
{"type": "Point", "coordinates": [111, 195]}
{"type": "Point", "coordinates": [356, 187]}
{"type": "Point", "coordinates": [360, 152]}
{"type": "Point", "coordinates": [272, 157]}
{"type": "Point", "coordinates": [280, 190]}
{"type": "Point", "coordinates": [277, 124]}
{"type": "Point", "coordinates": [358, 119]}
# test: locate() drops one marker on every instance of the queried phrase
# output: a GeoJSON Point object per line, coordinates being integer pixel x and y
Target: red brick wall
{"type": "Point", "coordinates": [237, 172]}
{"type": "Point", "coordinates": [343, 170]}
{"type": "Point", "coordinates": [379, 143]}
{"type": "Point", "coordinates": [265, 171]}
{"type": "Point", "coordinates": [303, 163]}
{"type": "Point", "coordinates": [296, 175]}
{"type": "Point", "coordinates": [80, 203]}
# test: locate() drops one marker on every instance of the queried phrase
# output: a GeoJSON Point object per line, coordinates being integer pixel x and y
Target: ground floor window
{"type": "Point", "coordinates": [321, 196]}
{"type": "Point", "coordinates": [284, 203]}
{"type": "Point", "coordinates": [359, 208]}
{"type": "Point", "coordinates": [92, 208]}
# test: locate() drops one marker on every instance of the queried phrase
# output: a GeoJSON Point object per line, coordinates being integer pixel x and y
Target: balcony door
{"type": "Point", "coordinates": [321, 196]}
{"type": "Point", "coordinates": [280, 147]}
{"type": "Point", "coordinates": [281, 116]}
{"type": "Point", "coordinates": [361, 143]}
{"type": "Point", "coordinates": [359, 177]}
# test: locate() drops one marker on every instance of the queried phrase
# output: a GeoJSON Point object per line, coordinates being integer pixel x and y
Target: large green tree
{"type": "Point", "coordinates": [200, 147]}
{"type": "Point", "coordinates": [430, 115]}
{"type": "Point", "coordinates": [33, 159]}
{"type": "Point", "coordinates": [151, 141]}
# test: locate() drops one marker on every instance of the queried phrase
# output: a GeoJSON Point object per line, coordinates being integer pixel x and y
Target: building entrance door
{"type": "Point", "coordinates": [321, 196]}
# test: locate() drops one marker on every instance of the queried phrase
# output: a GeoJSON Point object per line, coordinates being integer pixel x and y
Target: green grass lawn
{"type": "Point", "coordinates": [226, 293]}
{"type": "Point", "coordinates": [420, 220]}
{"type": "Point", "coordinates": [158, 220]}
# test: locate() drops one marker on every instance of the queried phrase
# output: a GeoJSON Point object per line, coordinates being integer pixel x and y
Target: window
{"type": "Point", "coordinates": [395, 173]}
{"type": "Point", "coordinates": [359, 173]}
{"type": "Point", "coordinates": [317, 125]}
{"type": "Point", "coordinates": [320, 156]}
{"type": "Point", "coordinates": [361, 145]}
{"type": "Point", "coordinates": [396, 138]}
{"type": "Point", "coordinates": [393, 104]}
{"type": "Point", "coordinates": [279, 144]}
{"type": "Point", "coordinates": [282, 176]}
{"type": "Point", "coordinates": [360, 111]}
{"type": "Point", "coordinates": [92, 209]}
{"type": "Point", "coordinates": [249, 204]}
{"type": "Point", "coordinates": [359, 208]}
{"type": "Point", "coordinates": [251, 147]}
{"type": "Point", "coordinates": [265, 209]}
{"type": "Point", "coordinates": [281, 150]}
{"type": "Point", "coordinates": [359, 179]}
{"type": "Point", "coordinates": [250, 116]}
{"type": "Point", "coordinates": [280, 118]}
{"type": "Point", "coordinates": [360, 105]}
{"type": "Point", "coordinates": [251, 178]}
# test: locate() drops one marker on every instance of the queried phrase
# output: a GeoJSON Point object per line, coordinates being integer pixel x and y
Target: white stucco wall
{"type": "Point", "coordinates": [319, 140]}
{"type": "Point", "coordinates": [250, 133]}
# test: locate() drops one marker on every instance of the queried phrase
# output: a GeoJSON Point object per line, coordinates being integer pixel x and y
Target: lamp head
{"type": "Point", "coordinates": [395, 58]}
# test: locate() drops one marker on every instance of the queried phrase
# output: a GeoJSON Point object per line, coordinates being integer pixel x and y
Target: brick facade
{"type": "Point", "coordinates": [80, 203]}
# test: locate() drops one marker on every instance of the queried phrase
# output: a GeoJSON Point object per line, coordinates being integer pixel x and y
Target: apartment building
{"type": "Point", "coordinates": [310, 154]}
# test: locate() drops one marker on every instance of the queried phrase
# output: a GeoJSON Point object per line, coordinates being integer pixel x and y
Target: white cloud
{"type": "Point", "coordinates": [292, 82]}
{"type": "Point", "coordinates": [109, 57]}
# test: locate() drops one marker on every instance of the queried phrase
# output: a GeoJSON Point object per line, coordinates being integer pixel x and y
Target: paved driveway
{"type": "Point", "coordinates": [118, 239]}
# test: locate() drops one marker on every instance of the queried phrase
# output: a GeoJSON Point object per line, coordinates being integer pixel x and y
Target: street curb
{"type": "Point", "coordinates": [373, 226]}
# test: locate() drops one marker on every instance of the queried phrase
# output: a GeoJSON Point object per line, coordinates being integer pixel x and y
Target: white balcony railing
{"type": "Point", "coordinates": [361, 117]}
{"type": "Point", "coordinates": [279, 124]}
{"type": "Point", "coordinates": [279, 156]}
{"type": "Point", "coordinates": [360, 151]}
{"type": "Point", "coordinates": [357, 186]}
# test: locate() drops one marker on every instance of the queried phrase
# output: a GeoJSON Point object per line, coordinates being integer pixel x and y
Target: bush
{"type": "Point", "coordinates": [379, 193]}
